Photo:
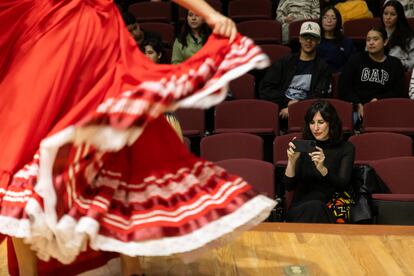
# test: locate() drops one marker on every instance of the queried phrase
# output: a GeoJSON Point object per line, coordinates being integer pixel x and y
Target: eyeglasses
{"type": "Point", "coordinates": [329, 17]}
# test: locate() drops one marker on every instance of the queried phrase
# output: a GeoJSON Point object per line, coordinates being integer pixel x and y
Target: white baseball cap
{"type": "Point", "coordinates": [311, 28]}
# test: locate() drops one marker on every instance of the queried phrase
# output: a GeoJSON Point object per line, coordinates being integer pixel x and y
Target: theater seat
{"type": "Point", "coordinates": [251, 116]}
{"type": "Point", "coordinates": [259, 174]}
{"type": "Point", "coordinates": [396, 207]}
{"type": "Point", "coordinates": [380, 145]}
{"type": "Point", "coordinates": [389, 115]}
{"type": "Point", "coordinates": [243, 10]}
{"type": "Point", "coordinates": [231, 145]}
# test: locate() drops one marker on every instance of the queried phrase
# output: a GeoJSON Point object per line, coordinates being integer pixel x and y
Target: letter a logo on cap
{"type": "Point", "coordinates": [311, 28]}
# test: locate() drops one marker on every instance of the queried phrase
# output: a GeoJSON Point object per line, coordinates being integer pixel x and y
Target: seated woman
{"type": "Point", "coordinates": [193, 36]}
{"type": "Point", "coordinates": [334, 47]}
{"type": "Point", "coordinates": [400, 35]}
{"type": "Point", "coordinates": [316, 176]}
{"type": "Point", "coordinates": [372, 75]}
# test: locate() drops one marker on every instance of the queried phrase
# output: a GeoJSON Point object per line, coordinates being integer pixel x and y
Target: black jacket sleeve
{"type": "Point", "coordinates": [271, 87]}
{"type": "Point", "coordinates": [397, 89]}
{"type": "Point", "coordinates": [342, 179]}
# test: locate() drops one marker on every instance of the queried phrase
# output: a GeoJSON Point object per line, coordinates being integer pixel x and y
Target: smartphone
{"type": "Point", "coordinates": [304, 145]}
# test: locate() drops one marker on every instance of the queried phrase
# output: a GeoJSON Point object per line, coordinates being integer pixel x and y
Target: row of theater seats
{"type": "Point", "coordinates": [369, 147]}
{"type": "Point", "coordinates": [261, 117]}
{"type": "Point", "coordinates": [393, 207]}
{"type": "Point", "coordinates": [254, 20]}
{"type": "Point", "coordinates": [389, 154]}
{"type": "Point", "coordinates": [239, 10]}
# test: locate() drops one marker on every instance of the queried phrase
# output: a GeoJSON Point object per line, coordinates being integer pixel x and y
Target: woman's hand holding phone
{"type": "Point", "coordinates": [292, 154]}
{"type": "Point", "coordinates": [318, 158]}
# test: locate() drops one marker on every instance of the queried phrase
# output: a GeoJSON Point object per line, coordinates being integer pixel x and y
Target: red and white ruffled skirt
{"type": "Point", "coordinates": [87, 160]}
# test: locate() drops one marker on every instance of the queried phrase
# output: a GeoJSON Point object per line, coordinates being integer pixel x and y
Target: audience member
{"type": "Point", "coordinates": [371, 75]}
{"type": "Point", "coordinates": [334, 48]}
{"type": "Point", "coordinates": [193, 36]}
{"type": "Point", "coordinates": [317, 176]}
{"type": "Point", "coordinates": [153, 49]}
{"type": "Point", "coordinates": [297, 76]}
{"type": "Point", "coordinates": [400, 35]}
{"type": "Point", "coordinates": [353, 9]}
{"type": "Point", "coordinates": [134, 28]}
{"type": "Point", "coordinates": [289, 11]}
{"type": "Point", "coordinates": [408, 7]}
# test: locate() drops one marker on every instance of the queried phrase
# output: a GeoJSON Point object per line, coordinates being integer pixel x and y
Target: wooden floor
{"type": "Point", "coordinates": [319, 249]}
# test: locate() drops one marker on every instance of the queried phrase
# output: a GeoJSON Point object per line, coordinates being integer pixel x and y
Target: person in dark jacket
{"type": "Point", "coordinates": [316, 176]}
{"type": "Point", "coordinates": [372, 75]}
{"type": "Point", "coordinates": [300, 76]}
{"type": "Point", "coordinates": [335, 48]}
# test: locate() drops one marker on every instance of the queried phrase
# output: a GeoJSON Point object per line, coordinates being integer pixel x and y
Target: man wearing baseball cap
{"type": "Point", "coordinates": [298, 76]}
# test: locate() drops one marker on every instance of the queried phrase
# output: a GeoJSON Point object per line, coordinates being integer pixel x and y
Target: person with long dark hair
{"type": "Point", "coordinates": [317, 175]}
{"type": "Point", "coordinates": [334, 48]}
{"type": "Point", "coordinates": [193, 36]}
{"type": "Point", "coordinates": [153, 49]}
{"type": "Point", "coordinates": [371, 75]}
{"type": "Point", "coordinates": [400, 35]}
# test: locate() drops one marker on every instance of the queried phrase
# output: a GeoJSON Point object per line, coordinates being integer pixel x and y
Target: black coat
{"type": "Point", "coordinates": [280, 74]}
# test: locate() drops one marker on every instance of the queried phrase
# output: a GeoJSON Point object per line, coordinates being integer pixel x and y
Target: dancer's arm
{"type": "Point", "coordinates": [220, 24]}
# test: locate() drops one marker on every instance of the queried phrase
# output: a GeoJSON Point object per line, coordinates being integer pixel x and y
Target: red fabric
{"type": "Point", "coordinates": [73, 80]}
{"type": "Point", "coordinates": [86, 261]}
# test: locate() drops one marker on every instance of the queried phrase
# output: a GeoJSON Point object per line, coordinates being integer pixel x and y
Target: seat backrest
{"type": "Point", "coordinates": [280, 146]}
{"type": "Point", "coordinates": [231, 145]}
{"type": "Point", "coordinates": [242, 10]}
{"type": "Point", "coordinates": [397, 173]}
{"type": "Point", "coordinates": [216, 4]}
{"type": "Point", "coordinates": [151, 11]}
{"type": "Point", "coordinates": [165, 30]}
{"type": "Point", "coordinates": [357, 29]}
{"type": "Point", "coordinates": [187, 142]}
{"type": "Point", "coordinates": [298, 110]}
{"type": "Point", "coordinates": [253, 116]}
{"type": "Point", "coordinates": [258, 173]}
{"type": "Point", "coordinates": [243, 87]}
{"type": "Point", "coordinates": [262, 31]}
{"type": "Point", "coordinates": [380, 145]}
{"type": "Point", "coordinates": [191, 121]}
{"type": "Point", "coordinates": [275, 52]}
{"type": "Point", "coordinates": [392, 115]}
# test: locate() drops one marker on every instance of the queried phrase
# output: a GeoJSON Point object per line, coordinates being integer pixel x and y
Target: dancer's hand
{"type": "Point", "coordinates": [222, 25]}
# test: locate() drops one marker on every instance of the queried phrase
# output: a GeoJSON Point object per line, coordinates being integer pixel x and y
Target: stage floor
{"type": "Point", "coordinates": [317, 249]}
